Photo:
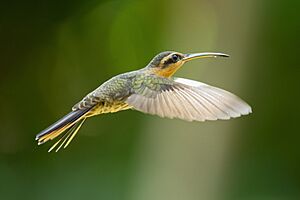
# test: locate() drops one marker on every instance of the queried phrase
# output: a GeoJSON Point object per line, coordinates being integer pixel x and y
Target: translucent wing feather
{"type": "Point", "coordinates": [188, 100]}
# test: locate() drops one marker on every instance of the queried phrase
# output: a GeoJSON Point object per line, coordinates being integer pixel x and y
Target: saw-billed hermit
{"type": "Point", "coordinates": [152, 90]}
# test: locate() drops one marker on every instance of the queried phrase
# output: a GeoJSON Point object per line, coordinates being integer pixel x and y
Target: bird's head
{"type": "Point", "coordinates": [167, 63]}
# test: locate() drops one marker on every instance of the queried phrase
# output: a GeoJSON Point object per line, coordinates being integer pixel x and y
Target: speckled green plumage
{"type": "Point", "coordinates": [111, 95]}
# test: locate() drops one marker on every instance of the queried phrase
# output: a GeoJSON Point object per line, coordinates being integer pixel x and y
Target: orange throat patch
{"type": "Point", "coordinates": [168, 71]}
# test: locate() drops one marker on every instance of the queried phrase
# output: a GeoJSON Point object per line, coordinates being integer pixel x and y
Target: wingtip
{"type": "Point", "coordinates": [250, 110]}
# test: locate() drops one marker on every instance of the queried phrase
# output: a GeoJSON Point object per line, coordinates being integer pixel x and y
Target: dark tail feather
{"type": "Point", "coordinates": [68, 122]}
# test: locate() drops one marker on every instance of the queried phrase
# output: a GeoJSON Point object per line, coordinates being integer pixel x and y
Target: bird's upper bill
{"type": "Point", "coordinates": [167, 63]}
{"type": "Point", "coordinates": [188, 57]}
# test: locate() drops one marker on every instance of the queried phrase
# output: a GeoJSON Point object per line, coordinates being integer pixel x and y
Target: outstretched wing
{"type": "Point", "coordinates": [186, 99]}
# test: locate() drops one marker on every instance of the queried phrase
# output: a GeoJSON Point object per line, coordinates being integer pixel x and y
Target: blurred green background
{"type": "Point", "coordinates": [53, 52]}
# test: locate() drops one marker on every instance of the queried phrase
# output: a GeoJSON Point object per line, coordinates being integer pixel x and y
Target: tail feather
{"type": "Point", "coordinates": [69, 118]}
{"type": "Point", "coordinates": [70, 124]}
{"type": "Point", "coordinates": [68, 136]}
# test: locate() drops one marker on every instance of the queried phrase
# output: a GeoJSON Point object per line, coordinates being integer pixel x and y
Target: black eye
{"type": "Point", "coordinates": [175, 58]}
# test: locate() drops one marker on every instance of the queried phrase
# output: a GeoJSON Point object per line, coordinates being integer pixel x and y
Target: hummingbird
{"type": "Point", "coordinates": [152, 90]}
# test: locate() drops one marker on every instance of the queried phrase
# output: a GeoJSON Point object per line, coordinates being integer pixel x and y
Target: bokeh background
{"type": "Point", "coordinates": [53, 52]}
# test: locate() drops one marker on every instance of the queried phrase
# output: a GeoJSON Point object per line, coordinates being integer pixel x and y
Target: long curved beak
{"type": "Point", "coordinates": [188, 57]}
